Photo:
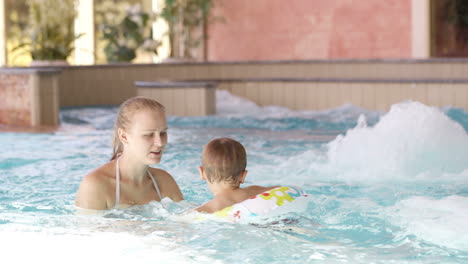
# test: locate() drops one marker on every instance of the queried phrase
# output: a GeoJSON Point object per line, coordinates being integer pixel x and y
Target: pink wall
{"type": "Point", "coordinates": [310, 29]}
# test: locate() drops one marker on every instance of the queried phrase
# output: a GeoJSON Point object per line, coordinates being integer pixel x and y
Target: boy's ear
{"type": "Point", "coordinates": [202, 173]}
{"type": "Point", "coordinates": [242, 177]}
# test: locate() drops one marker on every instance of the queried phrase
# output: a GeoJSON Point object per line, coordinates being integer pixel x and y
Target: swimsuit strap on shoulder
{"type": "Point", "coordinates": [155, 184]}
{"type": "Point", "coordinates": [117, 184]}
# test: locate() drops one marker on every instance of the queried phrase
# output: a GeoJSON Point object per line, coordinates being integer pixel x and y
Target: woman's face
{"type": "Point", "coordinates": [147, 136]}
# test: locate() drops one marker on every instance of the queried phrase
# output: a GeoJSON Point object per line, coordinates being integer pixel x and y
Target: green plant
{"type": "Point", "coordinates": [49, 35]}
{"type": "Point", "coordinates": [126, 32]}
{"type": "Point", "coordinates": [186, 19]}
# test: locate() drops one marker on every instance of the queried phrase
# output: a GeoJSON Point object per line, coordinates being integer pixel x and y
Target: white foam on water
{"type": "Point", "coordinates": [230, 105]}
{"type": "Point", "coordinates": [439, 221]}
{"type": "Point", "coordinates": [412, 141]}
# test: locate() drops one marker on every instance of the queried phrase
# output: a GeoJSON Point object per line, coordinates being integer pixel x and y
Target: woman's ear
{"type": "Point", "coordinates": [242, 177]}
{"type": "Point", "coordinates": [202, 173]}
{"type": "Point", "coordinates": [122, 136]}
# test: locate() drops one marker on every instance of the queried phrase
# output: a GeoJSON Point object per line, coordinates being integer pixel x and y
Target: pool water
{"type": "Point", "coordinates": [383, 188]}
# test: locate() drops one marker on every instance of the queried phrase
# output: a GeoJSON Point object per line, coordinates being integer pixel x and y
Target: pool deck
{"type": "Point", "coordinates": [32, 97]}
{"type": "Point", "coordinates": [28, 129]}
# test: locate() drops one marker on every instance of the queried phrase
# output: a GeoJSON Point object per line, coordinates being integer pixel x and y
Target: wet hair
{"type": "Point", "coordinates": [125, 115]}
{"type": "Point", "coordinates": [224, 160]}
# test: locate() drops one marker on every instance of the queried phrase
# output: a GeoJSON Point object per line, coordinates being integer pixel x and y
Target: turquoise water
{"type": "Point", "coordinates": [384, 188]}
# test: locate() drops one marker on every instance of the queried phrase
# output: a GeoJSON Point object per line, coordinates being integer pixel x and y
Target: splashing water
{"type": "Point", "coordinates": [409, 142]}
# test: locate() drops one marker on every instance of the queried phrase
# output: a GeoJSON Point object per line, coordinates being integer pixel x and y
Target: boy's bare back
{"type": "Point", "coordinates": [231, 197]}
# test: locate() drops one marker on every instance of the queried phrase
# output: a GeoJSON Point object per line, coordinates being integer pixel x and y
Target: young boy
{"type": "Point", "coordinates": [223, 167]}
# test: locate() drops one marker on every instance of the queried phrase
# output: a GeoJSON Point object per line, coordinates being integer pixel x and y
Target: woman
{"type": "Point", "coordinates": [140, 135]}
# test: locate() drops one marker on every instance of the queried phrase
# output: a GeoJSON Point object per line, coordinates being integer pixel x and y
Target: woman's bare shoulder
{"type": "Point", "coordinates": [167, 184]}
{"type": "Point", "coordinates": [156, 172]}
{"type": "Point", "coordinates": [101, 175]}
{"type": "Point", "coordinates": [163, 176]}
{"type": "Point", "coordinates": [96, 188]}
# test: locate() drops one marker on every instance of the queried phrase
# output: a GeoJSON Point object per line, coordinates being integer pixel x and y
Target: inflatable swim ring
{"type": "Point", "coordinates": [276, 201]}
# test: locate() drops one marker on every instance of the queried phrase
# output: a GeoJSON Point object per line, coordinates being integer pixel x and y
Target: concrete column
{"type": "Point", "coordinates": [44, 98]}
{"type": "Point", "coordinates": [84, 24]}
{"type": "Point", "coordinates": [420, 21]}
{"type": "Point", "coordinates": [30, 96]}
{"type": "Point", "coordinates": [3, 47]}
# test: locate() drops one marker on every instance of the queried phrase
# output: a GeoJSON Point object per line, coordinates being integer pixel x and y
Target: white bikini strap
{"type": "Point", "coordinates": [155, 184]}
{"type": "Point", "coordinates": [117, 184]}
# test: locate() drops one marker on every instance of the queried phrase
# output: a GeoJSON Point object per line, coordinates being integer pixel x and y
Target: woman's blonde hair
{"type": "Point", "coordinates": [124, 116]}
{"type": "Point", "coordinates": [224, 160]}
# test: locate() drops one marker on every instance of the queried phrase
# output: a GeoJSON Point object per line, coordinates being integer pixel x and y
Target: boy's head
{"type": "Point", "coordinates": [224, 160]}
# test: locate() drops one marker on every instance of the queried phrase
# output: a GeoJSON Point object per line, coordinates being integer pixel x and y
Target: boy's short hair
{"type": "Point", "coordinates": [224, 160]}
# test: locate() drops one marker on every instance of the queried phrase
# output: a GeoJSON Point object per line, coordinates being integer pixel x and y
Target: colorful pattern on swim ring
{"type": "Point", "coordinates": [262, 204]}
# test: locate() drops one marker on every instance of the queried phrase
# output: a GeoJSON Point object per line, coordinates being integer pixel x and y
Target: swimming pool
{"type": "Point", "coordinates": [384, 188]}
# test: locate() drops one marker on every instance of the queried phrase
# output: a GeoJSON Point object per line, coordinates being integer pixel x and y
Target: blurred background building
{"type": "Point", "coordinates": [300, 54]}
{"type": "Point", "coordinates": [245, 30]}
